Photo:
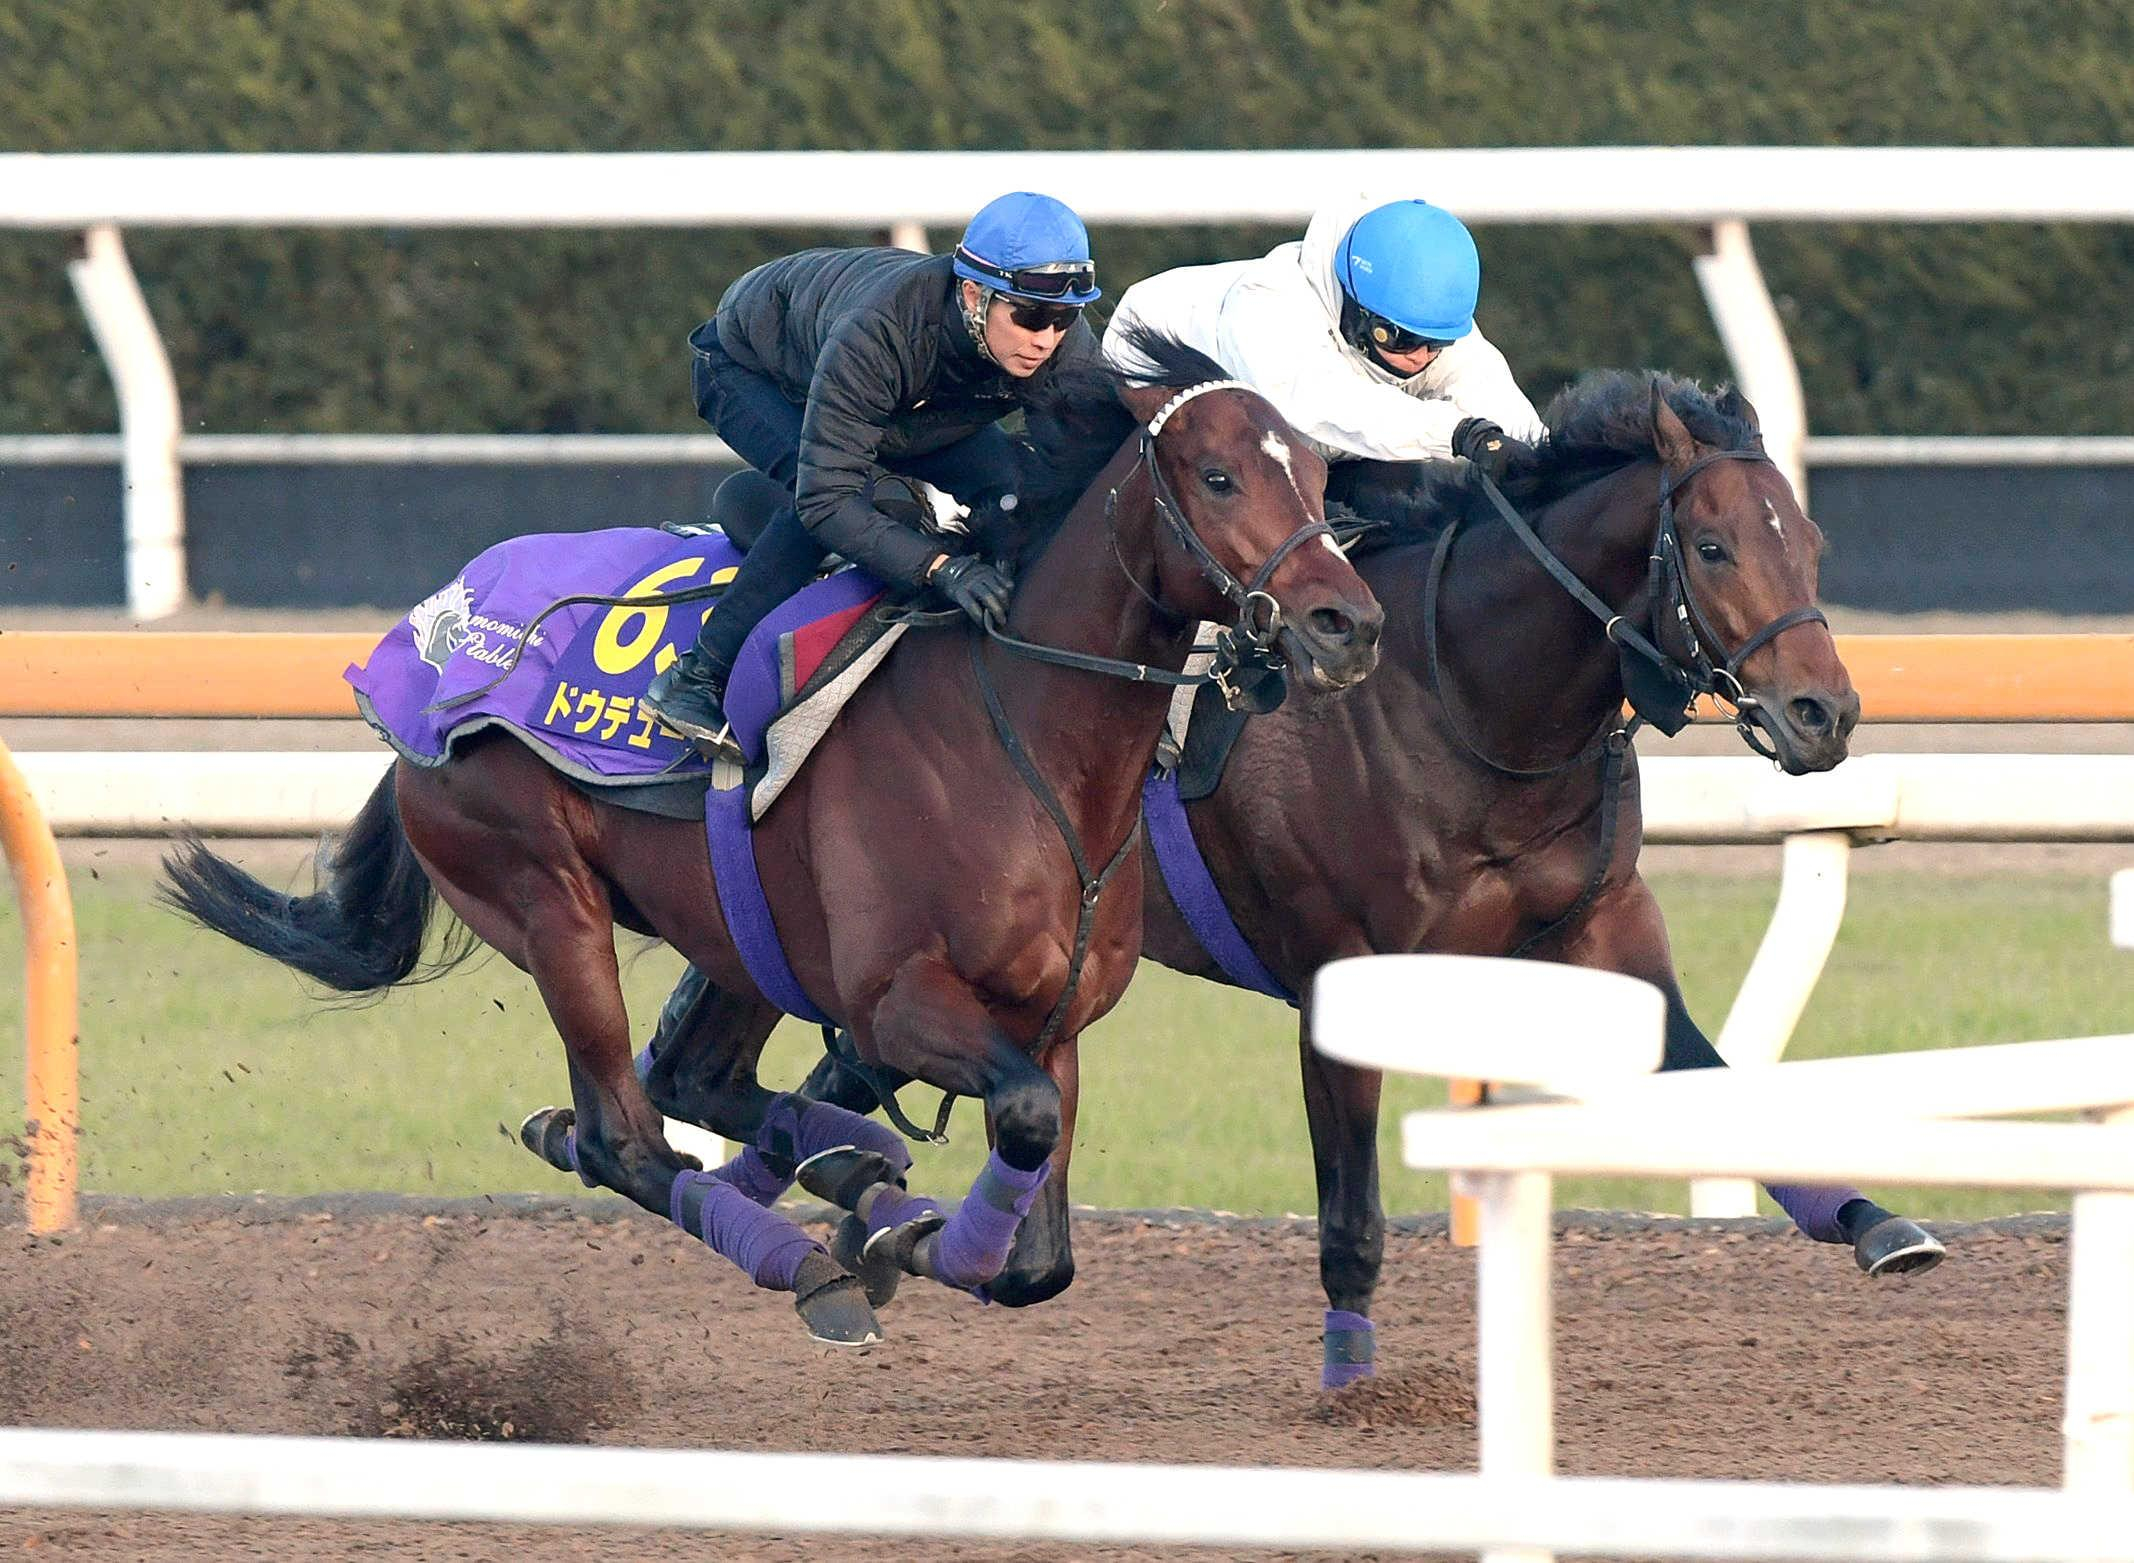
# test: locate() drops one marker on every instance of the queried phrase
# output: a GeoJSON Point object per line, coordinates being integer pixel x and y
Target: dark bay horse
{"type": "Point", "coordinates": [1432, 810]}
{"type": "Point", "coordinates": [937, 871]}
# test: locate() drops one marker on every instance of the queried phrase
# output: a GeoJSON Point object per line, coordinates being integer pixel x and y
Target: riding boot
{"type": "Point", "coordinates": [690, 696]}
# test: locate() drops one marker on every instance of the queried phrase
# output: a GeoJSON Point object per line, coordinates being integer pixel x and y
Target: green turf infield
{"type": "Point", "coordinates": [206, 1069]}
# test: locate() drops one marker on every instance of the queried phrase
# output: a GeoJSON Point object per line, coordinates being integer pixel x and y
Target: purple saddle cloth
{"type": "Point", "coordinates": [471, 656]}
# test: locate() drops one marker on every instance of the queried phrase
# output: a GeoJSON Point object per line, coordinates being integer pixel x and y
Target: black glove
{"type": "Point", "coordinates": [1489, 447]}
{"type": "Point", "coordinates": [978, 588]}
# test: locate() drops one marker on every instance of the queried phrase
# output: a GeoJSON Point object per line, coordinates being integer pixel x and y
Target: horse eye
{"type": "Point", "coordinates": [1216, 479]}
{"type": "Point", "coordinates": [1709, 551]}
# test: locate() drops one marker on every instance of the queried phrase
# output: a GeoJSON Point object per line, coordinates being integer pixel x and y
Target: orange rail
{"type": "Point", "coordinates": [184, 673]}
{"type": "Point", "coordinates": [1901, 678]}
{"type": "Point", "coordinates": [52, 1002]}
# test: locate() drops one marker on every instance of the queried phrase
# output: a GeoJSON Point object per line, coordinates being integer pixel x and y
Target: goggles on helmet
{"type": "Point", "coordinates": [1036, 282]}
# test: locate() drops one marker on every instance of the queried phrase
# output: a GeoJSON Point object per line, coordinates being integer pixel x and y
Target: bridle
{"type": "Point", "coordinates": [1245, 654]}
{"type": "Point", "coordinates": [1721, 680]}
{"type": "Point", "coordinates": [1664, 697]}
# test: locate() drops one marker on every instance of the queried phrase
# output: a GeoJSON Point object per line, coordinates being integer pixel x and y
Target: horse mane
{"type": "Point", "coordinates": [1075, 424]}
{"type": "Point", "coordinates": [1597, 425]}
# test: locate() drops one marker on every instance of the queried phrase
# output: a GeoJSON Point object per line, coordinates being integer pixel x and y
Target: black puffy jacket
{"type": "Point", "coordinates": [873, 343]}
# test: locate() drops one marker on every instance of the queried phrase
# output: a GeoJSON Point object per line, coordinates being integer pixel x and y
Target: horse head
{"type": "Point", "coordinates": [1241, 499]}
{"type": "Point", "coordinates": [1737, 596]}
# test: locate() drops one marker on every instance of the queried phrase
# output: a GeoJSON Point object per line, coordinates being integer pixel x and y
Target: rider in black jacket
{"type": "Point", "coordinates": [829, 369]}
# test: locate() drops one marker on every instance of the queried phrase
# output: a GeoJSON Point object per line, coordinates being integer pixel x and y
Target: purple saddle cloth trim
{"type": "Point", "coordinates": [1185, 872]}
{"type": "Point", "coordinates": [741, 899]}
{"type": "Point", "coordinates": [765, 679]}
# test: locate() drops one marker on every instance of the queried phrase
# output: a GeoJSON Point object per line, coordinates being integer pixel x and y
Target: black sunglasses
{"type": "Point", "coordinates": [1039, 284]}
{"type": "Point", "coordinates": [1389, 338]}
{"type": "Point", "coordinates": [1043, 317]}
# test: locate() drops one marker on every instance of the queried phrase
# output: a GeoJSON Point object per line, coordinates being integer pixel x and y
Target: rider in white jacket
{"type": "Point", "coordinates": [1363, 335]}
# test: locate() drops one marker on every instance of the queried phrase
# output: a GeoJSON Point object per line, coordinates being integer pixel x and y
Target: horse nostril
{"type": "Point", "coordinates": [1333, 625]}
{"type": "Point", "coordinates": [1811, 715]}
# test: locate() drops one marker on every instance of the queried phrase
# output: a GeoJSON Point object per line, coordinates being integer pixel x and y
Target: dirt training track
{"type": "Point", "coordinates": [1685, 1349]}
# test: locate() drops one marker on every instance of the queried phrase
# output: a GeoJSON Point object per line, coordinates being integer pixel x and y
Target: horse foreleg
{"type": "Point", "coordinates": [1041, 1265]}
{"type": "Point", "coordinates": [1625, 932]}
{"type": "Point", "coordinates": [1341, 1106]}
{"type": "Point", "coordinates": [932, 1026]}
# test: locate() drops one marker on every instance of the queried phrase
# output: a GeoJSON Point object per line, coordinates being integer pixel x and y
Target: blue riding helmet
{"type": "Point", "coordinates": [1414, 266]}
{"type": "Point", "coordinates": [1029, 246]}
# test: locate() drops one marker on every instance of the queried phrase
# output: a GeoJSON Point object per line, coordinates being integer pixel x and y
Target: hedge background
{"type": "Point", "coordinates": [1899, 329]}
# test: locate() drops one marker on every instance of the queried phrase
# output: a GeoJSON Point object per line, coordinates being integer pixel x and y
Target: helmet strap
{"type": "Point", "coordinates": [974, 316]}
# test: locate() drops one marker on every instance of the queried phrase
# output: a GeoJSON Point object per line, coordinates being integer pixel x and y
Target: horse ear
{"type": "Point", "coordinates": [1669, 437]}
{"type": "Point", "coordinates": [1145, 401]}
{"type": "Point", "coordinates": [1735, 405]}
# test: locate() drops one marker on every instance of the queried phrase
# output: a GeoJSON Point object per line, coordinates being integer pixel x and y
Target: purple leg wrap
{"type": "Point", "coordinates": [973, 1247]}
{"type": "Point", "coordinates": [753, 1176]}
{"type": "Point", "coordinates": [1351, 1345]}
{"type": "Point", "coordinates": [1813, 1207]}
{"type": "Point", "coordinates": [643, 1064]}
{"type": "Point", "coordinates": [797, 1134]}
{"type": "Point", "coordinates": [892, 1207]}
{"type": "Point", "coordinates": [762, 1242]}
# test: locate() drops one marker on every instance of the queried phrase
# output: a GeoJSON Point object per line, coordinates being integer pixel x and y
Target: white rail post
{"type": "Point", "coordinates": [1755, 342]}
{"type": "Point", "coordinates": [1782, 978]}
{"type": "Point", "coordinates": [2098, 1435]}
{"type": "Point", "coordinates": [909, 235]}
{"type": "Point", "coordinates": [148, 422]}
{"type": "Point", "coordinates": [1515, 1396]}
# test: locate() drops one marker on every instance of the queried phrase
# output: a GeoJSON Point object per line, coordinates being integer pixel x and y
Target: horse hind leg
{"type": "Point", "coordinates": [616, 1138]}
{"type": "Point", "coordinates": [700, 1067]}
{"type": "Point", "coordinates": [1625, 933]}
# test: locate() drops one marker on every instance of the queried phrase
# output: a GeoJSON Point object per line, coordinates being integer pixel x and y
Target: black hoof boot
{"type": "Point", "coordinates": [547, 1133]}
{"type": "Point", "coordinates": [842, 1175]}
{"type": "Point", "coordinates": [876, 1268]}
{"type": "Point", "coordinates": [833, 1305]}
{"type": "Point", "coordinates": [1895, 1246]}
{"type": "Point", "coordinates": [882, 1262]}
{"type": "Point", "coordinates": [689, 699]}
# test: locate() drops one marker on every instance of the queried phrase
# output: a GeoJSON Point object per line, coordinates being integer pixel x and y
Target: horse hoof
{"type": "Point", "coordinates": [842, 1175]}
{"type": "Point", "coordinates": [834, 1305]}
{"type": "Point", "coordinates": [1896, 1246]}
{"type": "Point", "coordinates": [547, 1133]}
{"type": "Point", "coordinates": [876, 1266]}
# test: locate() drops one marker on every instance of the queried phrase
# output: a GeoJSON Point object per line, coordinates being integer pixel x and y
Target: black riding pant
{"type": "Point", "coordinates": [762, 425]}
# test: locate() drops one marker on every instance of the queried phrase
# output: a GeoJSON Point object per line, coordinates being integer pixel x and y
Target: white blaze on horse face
{"type": "Point", "coordinates": [1277, 447]}
{"type": "Point", "coordinates": [1771, 510]}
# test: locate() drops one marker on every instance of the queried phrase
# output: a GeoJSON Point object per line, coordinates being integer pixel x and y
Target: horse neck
{"type": "Point", "coordinates": [1094, 736]}
{"type": "Point", "coordinates": [1530, 674]}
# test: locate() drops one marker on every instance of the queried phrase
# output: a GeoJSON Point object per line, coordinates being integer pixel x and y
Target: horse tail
{"type": "Point", "coordinates": [360, 931]}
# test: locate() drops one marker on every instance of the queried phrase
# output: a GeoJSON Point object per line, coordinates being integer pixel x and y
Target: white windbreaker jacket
{"type": "Point", "coordinates": [1274, 323]}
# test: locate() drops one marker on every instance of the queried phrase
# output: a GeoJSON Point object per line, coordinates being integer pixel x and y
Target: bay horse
{"type": "Point", "coordinates": [952, 873]}
{"type": "Point", "coordinates": [1463, 801]}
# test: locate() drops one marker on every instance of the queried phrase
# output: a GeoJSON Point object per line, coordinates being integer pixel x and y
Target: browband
{"type": "Point", "coordinates": [1163, 413]}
